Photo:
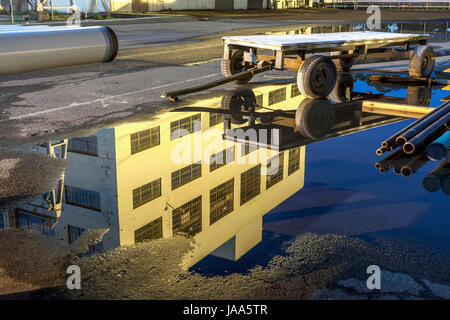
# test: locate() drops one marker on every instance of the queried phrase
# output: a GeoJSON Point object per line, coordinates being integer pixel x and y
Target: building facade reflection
{"type": "Point", "coordinates": [190, 173]}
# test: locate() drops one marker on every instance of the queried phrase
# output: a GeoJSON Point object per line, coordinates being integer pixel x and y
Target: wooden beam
{"type": "Point", "coordinates": [395, 109]}
{"type": "Point", "coordinates": [292, 63]}
{"type": "Point", "coordinates": [405, 80]}
{"type": "Point", "coordinates": [389, 54]}
{"type": "Point", "coordinates": [279, 60]}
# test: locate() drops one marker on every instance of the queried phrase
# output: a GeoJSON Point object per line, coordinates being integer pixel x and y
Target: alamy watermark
{"type": "Point", "coordinates": [210, 147]}
{"type": "Point", "coordinates": [75, 17]}
{"type": "Point", "coordinates": [374, 20]}
{"type": "Point", "coordinates": [374, 281]}
{"type": "Point", "coordinates": [74, 280]}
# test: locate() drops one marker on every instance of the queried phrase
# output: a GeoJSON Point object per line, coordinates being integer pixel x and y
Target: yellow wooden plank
{"type": "Point", "coordinates": [395, 109]}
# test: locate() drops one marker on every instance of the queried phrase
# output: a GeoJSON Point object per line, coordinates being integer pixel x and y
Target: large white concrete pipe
{"type": "Point", "coordinates": [28, 49]}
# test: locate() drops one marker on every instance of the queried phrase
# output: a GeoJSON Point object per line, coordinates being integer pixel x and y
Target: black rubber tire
{"type": "Point", "coordinates": [234, 65]}
{"type": "Point", "coordinates": [418, 96]}
{"type": "Point", "coordinates": [316, 77]}
{"type": "Point", "coordinates": [237, 101]}
{"type": "Point", "coordinates": [314, 118]}
{"type": "Point", "coordinates": [421, 63]}
{"type": "Point", "coordinates": [342, 64]}
{"type": "Point", "coordinates": [343, 88]}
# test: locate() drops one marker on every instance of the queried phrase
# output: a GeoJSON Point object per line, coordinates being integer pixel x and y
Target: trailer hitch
{"type": "Point", "coordinates": [173, 95]}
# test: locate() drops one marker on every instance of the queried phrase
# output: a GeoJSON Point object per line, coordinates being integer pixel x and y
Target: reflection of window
{"type": "Point", "coordinates": [188, 217]}
{"type": "Point", "coordinates": [215, 118]}
{"type": "Point", "coordinates": [145, 139]}
{"type": "Point", "coordinates": [86, 145]}
{"type": "Point", "coordinates": [277, 172]}
{"type": "Point", "coordinates": [185, 126]}
{"type": "Point", "coordinates": [82, 198]}
{"type": "Point", "coordinates": [73, 233]}
{"type": "Point", "coordinates": [186, 175]}
{"type": "Point", "coordinates": [294, 160]}
{"type": "Point", "coordinates": [246, 148]}
{"type": "Point", "coordinates": [250, 183]}
{"type": "Point", "coordinates": [27, 221]}
{"type": "Point", "coordinates": [152, 230]}
{"type": "Point", "coordinates": [146, 193]}
{"type": "Point", "coordinates": [277, 95]}
{"type": "Point", "coordinates": [221, 201]}
{"type": "Point", "coordinates": [294, 90]}
{"type": "Point", "coordinates": [259, 101]}
{"type": "Point", "coordinates": [221, 158]}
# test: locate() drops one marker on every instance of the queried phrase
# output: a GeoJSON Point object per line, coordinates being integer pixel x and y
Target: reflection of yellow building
{"type": "Point", "coordinates": [145, 180]}
{"type": "Point", "coordinates": [447, 87]}
{"type": "Point", "coordinates": [43, 212]}
{"type": "Point", "coordinates": [177, 174]}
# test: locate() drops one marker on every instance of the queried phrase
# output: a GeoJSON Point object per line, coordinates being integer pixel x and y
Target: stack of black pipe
{"type": "Point", "coordinates": [417, 136]}
{"type": "Point", "coordinates": [428, 138]}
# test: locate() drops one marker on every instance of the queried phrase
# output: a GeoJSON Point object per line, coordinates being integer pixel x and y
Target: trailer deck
{"type": "Point", "coordinates": [332, 41]}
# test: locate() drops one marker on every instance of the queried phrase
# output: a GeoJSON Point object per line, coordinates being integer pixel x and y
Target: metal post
{"type": "Point", "coordinates": [446, 31]}
{"type": "Point", "coordinates": [51, 8]}
{"type": "Point", "coordinates": [85, 9]}
{"type": "Point", "coordinates": [11, 9]}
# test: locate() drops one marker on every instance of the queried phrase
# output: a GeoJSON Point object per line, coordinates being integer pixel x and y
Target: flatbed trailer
{"type": "Point", "coordinates": [328, 53]}
{"type": "Point", "coordinates": [317, 73]}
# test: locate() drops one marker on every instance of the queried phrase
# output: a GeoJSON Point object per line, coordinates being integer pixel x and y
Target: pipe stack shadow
{"type": "Point", "coordinates": [438, 179]}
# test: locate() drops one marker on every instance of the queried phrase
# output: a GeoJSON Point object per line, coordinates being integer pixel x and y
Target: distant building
{"type": "Point", "coordinates": [158, 5]}
{"type": "Point", "coordinates": [19, 5]}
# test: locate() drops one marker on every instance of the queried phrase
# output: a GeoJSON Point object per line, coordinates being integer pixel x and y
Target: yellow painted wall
{"type": "Point", "coordinates": [121, 5]}
{"type": "Point", "coordinates": [141, 168]}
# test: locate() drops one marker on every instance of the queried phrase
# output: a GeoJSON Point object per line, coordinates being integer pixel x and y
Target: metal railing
{"type": "Point", "coordinates": [389, 5]}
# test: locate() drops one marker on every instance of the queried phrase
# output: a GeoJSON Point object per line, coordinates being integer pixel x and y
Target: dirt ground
{"type": "Point", "coordinates": [20, 180]}
{"type": "Point", "coordinates": [313, 266]}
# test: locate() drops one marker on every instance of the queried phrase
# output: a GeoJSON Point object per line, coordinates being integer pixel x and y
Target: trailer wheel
{"type": "Point", "coordinates": [342, 64]}
{"type": "Point", "coordinates": [343, 88]}
{"type": "Point", "coordinates": [421, 63]}
{"type": "Point", "coordinates": [418, 96]}
{"type": "Point", "coordinates": [235, 65]}
{"type": "Point", "coordinates": [314, 118]}
{"type": "Point", "coordinates": [235, 102]}
{"type": "Point", "coordinates": [316, 77]}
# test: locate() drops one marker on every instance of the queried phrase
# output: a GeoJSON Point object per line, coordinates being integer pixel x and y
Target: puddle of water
{"type": "Point", "coordinates": [300, 166]}
{"type": "Point", "coordinates": [438, 30]}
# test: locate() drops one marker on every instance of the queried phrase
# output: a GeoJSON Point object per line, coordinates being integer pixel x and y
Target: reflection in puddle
{"type": "Point", "coordinates": [439, 30]}
{"type": "Point", "coordinates": [210, 171]}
